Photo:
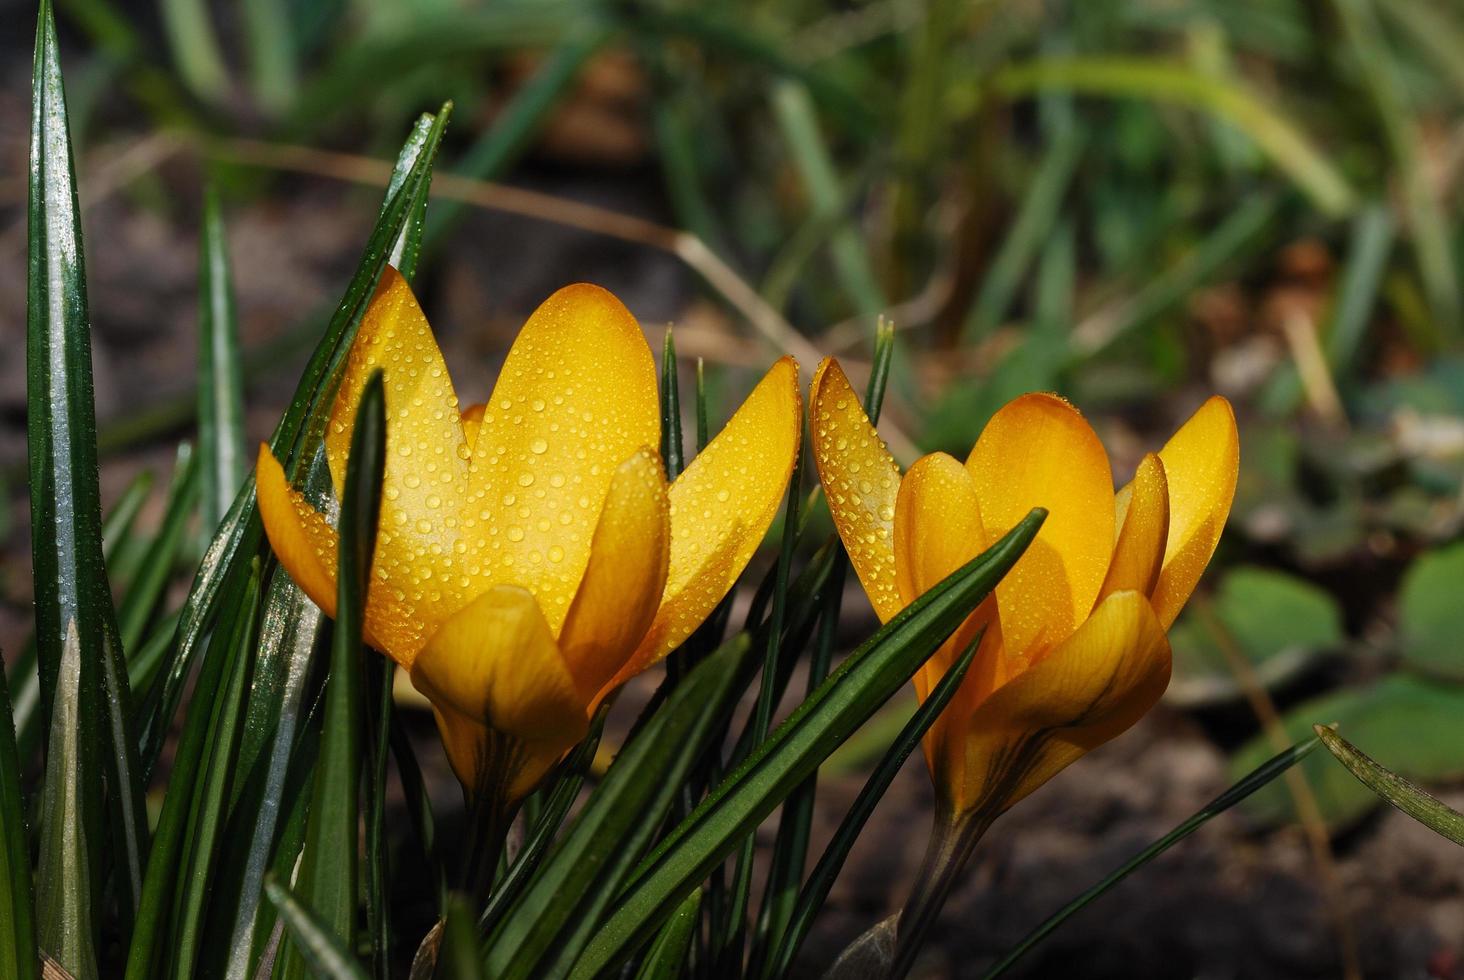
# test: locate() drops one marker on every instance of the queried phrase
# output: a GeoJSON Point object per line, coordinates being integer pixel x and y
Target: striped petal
{"type": "Point", "coordinates": [861, 482]}
{"type": "Point", "coordinates": [1142, 513]}
{"type": "Point", "coordinates": [1091, 688]}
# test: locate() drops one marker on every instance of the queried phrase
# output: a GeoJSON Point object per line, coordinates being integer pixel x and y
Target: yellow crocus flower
{"type": "Point", "coordinates": [531, 555]}
{"type": "Point", "coordinates": [1075, 649]}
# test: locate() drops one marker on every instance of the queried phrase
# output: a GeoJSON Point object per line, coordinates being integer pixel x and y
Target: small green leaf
{"type": "Point", "coordinates": [1394, 789]}
{"type": "Point", "coordinates": [320, 947]}
{"type": "Point", "coordinates": [794, 750]}
{"type": "Point", "coordinates": [18, 955]}
{"type": "Point", "coordinates": [220, 372]}
{"type": "Point", "coordinates": [328, 869]}
{"type": "Point", "coordinates": [1430, 615]}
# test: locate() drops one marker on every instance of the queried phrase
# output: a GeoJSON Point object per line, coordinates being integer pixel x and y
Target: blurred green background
{"type": "Point", "coordinates": [1133, 203]}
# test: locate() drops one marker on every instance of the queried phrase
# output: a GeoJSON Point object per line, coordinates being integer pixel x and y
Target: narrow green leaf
{"type": "Point", "coordinates": [380, 673]}
{"type": "Point", "coordinates": [667, 954]}
{"type": "Point", "coordinates": [671, 452]}
{"type": "Point", "coordinates": [1160, 81]}
{"type": "Point", "coordinates": [195, 48]}
{"type": "Point", "coordinates": [1262, 775]}
{"type": "Point", "coordinates": [121, 546]}
{"type": "Point", "coordinates": [220, 371]}
{"type": "Point", "coordinates": [1393, 788]}
{"type": "Point", "coordinates": [149, 943]}
{"type": "Point", "coordinates": [320, 947]}
{"type": "Point", "coordinates": [140, 602]}
{"type": "Point", "coordinates": [206, 822]}
{"type": "Point", "coordinates": [72, 595]}
{"type": "Point", "coordinates": [18, 955]}
{"type": "Point", "coordinates": [459, 957]}
{"type": "Point", "coordinates": [273, 76]}
{"type": "Point", "coordinates": [815, 891]}
{"type": "Point", "coordinates": [408, 248]}
{"type": "Point", "coordinates": [296, 441]}
{"type": "Point", "coordinates": [851, 694]}
{"type": "Point", "coordinates": [549, 924]}
{"type": "Point", "coordinates": [328, 870]}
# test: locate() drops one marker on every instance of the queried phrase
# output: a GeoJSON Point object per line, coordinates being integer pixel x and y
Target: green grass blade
{"type": "Point", "coordinates": [205, 834]}
{"type": "Point", "coordinates": [220, 372]}
{"type": "Point", "coordinates": [794, 750]}
{"type": "Point", "coordinates": [72, 595]}
{"type": "Point", "coordinates": [273, 75]}
{"type": "Point", "coordinates": [380, 672]}
{"type": "Point", "coordinates": [1159, 81]}
{"type": "Point", "coordinates": [66, 925]}
{"type": "Point", "coordinates": [18, 955]}
{"type": "Point", "coordinates": [320, 947]}
{"type": "Point", "coordinates": [816, 890]}
{"type": "Point", "coordinates": [408, 248]}
{"type": "Point", "coordinates": [121, 546]}
{"type": "Point", "coordinates": [672, 455]}
{"type": "Point", "coordinates": [296, 440]}
{"type": "Point", "coordinates": [149, 946]}
{"type": "Point", "coordinates": [549, 924]}
{"type": "Point", "coordinates": [1394, 789]}
{"type": "Point", "coordinates": [188, 27]}
{"type": "Point", "coordinates": [328, 870]}
{"type": "Point", "coordinates": [459, 958]}
{"type": "Point", "coordinates": [1259, 777]}
{"type": "Point", "coordinates": [140, 602]}
{"type": "Point", "coordinates": [668, 951]}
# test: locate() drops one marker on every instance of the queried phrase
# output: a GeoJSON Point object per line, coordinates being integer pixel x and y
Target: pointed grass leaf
{"type": "Point", "coordinates": [667, 954]}
{"type": "Point", "coordinates": [318, 945]}
{"type": "Point", "coordinates": [816, 890]}
{"type": "Point", "coordinates": [1252, 781]}
{"type": "Point", "coordinates": [220, 372]}
{"type": "Point", "coordinates": [140, 601]}
{"type": "Point", "coordinates": [549, 924]}
{"type": "Point", "coordinates": [794, 750]}
{"type": "Point", "coordinates": [18, 955]}
{"type": "Point", "coordinates": [72, 595]}
{"type": "Point", "coordinates": [1393, 788]}
{"type": "Point", "coordinates": [328, 868]}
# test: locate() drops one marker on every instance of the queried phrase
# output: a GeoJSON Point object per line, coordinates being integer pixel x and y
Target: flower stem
{"type": "Point", "coordinates": [952, 840]}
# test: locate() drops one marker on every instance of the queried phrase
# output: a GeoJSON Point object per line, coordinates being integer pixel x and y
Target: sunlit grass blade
{"type": "Point", "coordinates": [205, 835]}
{"type": "Point", "coordinates": [672, 455]}
{"type": "Point", "coordinates": [296, 441]}
{"type": "Point", "coordinates": [73, 602]}
{"type": "Point", "coordinates": [1159, 81]}
{"type": "Point", "coordinates": [328, 869]}
{"type": "Point", "coordinates": [816, 890]}
{"type": "Point", "coordinates": [667, 954]}
{"type": "Point", "coordinates": [1434, 814]}
{"type": "Point", "coordinates": [150, 947]}
{"type": "Point", "coordinates": [194, 44]}
{"type": "Point", "coordinates": [550, 923]}
{"type": "Point", "coordinates": [1259, 777]}
{"type": "Point", "coordinates": [794, 750]}
{"type": "Point", "coordinates": [140, 602]}
{"type": "Point", "coordinates": [408, 247]}
{"type": "Point", "coordinates": [319, 947]}
{"type": "Point", "coordinates": [220, 372]}
{"type": "Point", "coordinates": [18, 955]}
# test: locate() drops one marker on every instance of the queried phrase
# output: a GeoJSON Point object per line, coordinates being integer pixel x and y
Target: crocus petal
{"type": "Point", "coordinates": [861, 482]}
{"type": "Point", "coordinates": [306, 544]}
{"type": "Point", "coordinates": [472, 421]}
{"type": "Point", "coordinates": [575, 398]}
{"type": "Point", "coordinates": [621, 590]}
{"type": "Point", "coordinates": [493, 670]}
{"type": "Point", "coordinates": [1201, 462]}
{"type": "Point", "coordinates": [428, 547]}
{"type": "Point", "coordinates": [938, 529]}
{"type": "Point", "coordinates": [721, 506]}
{"type": "Point", "coordinates": [1038, 451]}
{"type": "Point", "coordinates": [1091, 688]}
{"type": "Point", "coordinates": [1142, 513]}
